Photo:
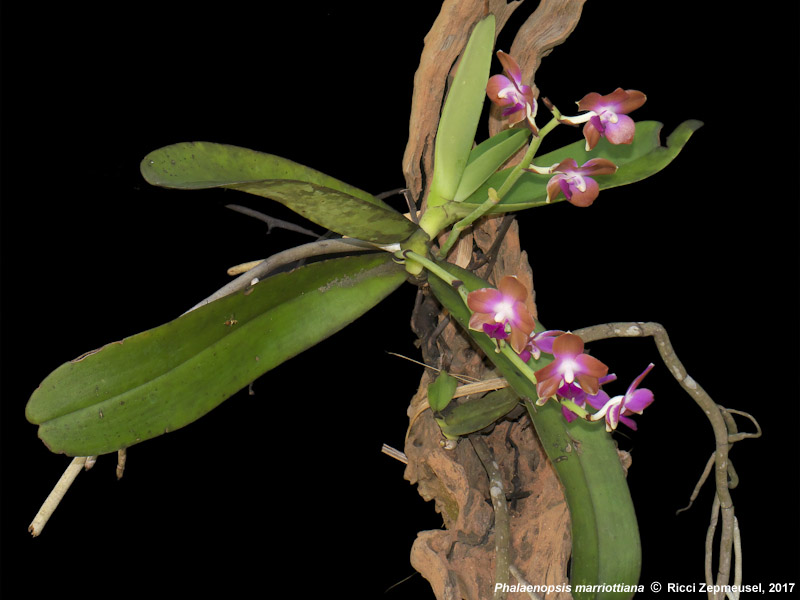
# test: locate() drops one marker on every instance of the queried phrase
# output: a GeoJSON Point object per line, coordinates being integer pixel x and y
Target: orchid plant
{"type": "Point", "coordinates": [122, 394]}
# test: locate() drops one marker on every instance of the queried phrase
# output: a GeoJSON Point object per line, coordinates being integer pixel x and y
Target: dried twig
{"type": "Point", "coordinates": [725, 435]}
{"type": "Point", "coordinates": [272, 221]}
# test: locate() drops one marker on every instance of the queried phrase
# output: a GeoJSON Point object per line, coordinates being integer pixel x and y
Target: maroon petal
{"type": "Point", "coordinates": [511, 286]}
{"type": "Point", "coordinates": [545, 388]}
{"type": "Point", "coordinates": [589, 101]}
{"type": "Point", "coordinates": [633, 99]}
{"type": "Point", "coordinates": [591, 134]}
{"type": "Point", "coordinates": [598, 166]}
{"type": "Point", "coordinates": [510, 66]}
{"type": "Point", "coordinates": [590, 365]}
{"type": "Point", "coordinates": [570, 345]}
{"type": "Point", "coordinates": [588, 383]}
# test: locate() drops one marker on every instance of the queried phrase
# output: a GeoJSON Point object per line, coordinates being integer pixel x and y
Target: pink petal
{"type": "Point", "coordinates": [498, 83]}
{"type": "Point", "coordinates": [638, 401]}
{"type": "Point", "coordinates": [484, 300]}
{"type": "Point", "coordinates": [621, 132]}
{"type": "Point", "coordinates": [598, 400]}
{"type": "Point", "coordinates": [588, 196]}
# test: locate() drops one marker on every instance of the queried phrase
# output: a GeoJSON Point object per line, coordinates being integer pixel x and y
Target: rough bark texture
{"type": "Point", "coordinates": [458, 560]}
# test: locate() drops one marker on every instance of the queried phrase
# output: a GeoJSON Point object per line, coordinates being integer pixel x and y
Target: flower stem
{"type": "Point", "coordinates": [495, 196]}
{"type": "Point", "coordinates": [455, 282]}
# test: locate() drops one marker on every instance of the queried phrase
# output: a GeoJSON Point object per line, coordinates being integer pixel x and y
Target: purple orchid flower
{"type": "Point", "coordinates": [609, 116]}
{"type": "Point", "coordinates": [576, 182]}
{"type": "Point", "coordinates": [617, 409]}
{"type": "Point", "coordinates": [570, 391]}
{"type": "Point", "coordinates": [538, 343]}
{"type": "Point", "coordinates": [570, 364]}
{"type": "Point", "coordinates": [516, 97]}
{"type": "Point", "coordinates": [503, 307]}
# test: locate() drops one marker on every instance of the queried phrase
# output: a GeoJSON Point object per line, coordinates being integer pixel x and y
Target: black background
{"type": "Point", "coordinates": [288, 487]}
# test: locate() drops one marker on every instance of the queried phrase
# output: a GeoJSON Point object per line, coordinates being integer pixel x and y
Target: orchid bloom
{"type": "Point", "coordinates": [538, 343]}
{"type": "Point", "coordinates": [570, 364]}
{"type": "Point", "coordinates": [512, 94]}
{"type": "Point", "coordinates": [609, 116]}
{"type": "Point", "coordinates": [496, 309]}
{"type": "Point", "coordinates": [617, 409]}
{"type": "Point", "coordinates": [576, 183]}
{"type": "Point", "coordinates": [571, 391]}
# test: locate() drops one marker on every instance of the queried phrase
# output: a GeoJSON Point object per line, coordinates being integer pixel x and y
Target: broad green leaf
{"type": "Point", "coordinates": [487, 157]}
{"type": "Point", "coordinates": [605, 535]}
{"type": "Point", "coordinates": [165, 378]}
{"type": "Point", "coordinates": [636, 161]}
{"type": "Point", "coordinates": [474, 415]}
{"type": "Point", "coordinates": [320, 198]}
{"type": "Point", "coordinates": [461, 113]}
{"type": "Point", "coordinates": [441, 390]}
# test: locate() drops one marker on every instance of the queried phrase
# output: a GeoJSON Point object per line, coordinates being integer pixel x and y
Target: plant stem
{"type": "Point", "coordinates": [496, 196]}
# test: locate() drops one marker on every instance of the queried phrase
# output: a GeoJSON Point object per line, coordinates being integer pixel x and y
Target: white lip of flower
{"type": "Point", "coordinates": [578, 181]}
{"type": "Point", "coordinates": [569, 371]}
{"type": "Point", "coordinates": [505, 310]}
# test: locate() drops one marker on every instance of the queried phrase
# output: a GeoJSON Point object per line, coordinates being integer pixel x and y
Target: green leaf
{"type": "Point", "coordinates": [474, 415]}
{"type": "Point", "coordinates": [461, 113]}
{"type": "Point", "coordinates": [487, 157]}
{"type": "Point", "coordinates": [320, 198]}
{"type": "Point", "coordinates": [165, 378]}
{"type": "Point", "coordinates": [605, 535]}
{"type": "Point", "coordinates": [441, 390]}
{"type": "Point", "coordinates": [636, 161]}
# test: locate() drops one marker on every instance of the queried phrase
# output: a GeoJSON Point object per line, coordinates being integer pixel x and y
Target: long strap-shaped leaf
{"type": "Point", "coordinates": [320, 198]}
{"type": "Point", "coordinates": [165, 378]}
{"type": "Point", "coordinates": [605, 535]}
{"type": "Point", "coordinates": [644, 157]}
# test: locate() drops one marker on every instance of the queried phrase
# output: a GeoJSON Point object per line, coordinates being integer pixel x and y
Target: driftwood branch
{"type": "Point", "coordinates": [725, 434]}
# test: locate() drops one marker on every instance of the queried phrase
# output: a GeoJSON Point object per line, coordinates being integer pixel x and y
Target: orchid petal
{"type": "Point", "coordinates": [510, 66]}
{"type": "Point", "coordinates": [637, 401]}
{"type": "Point", "coordinates": [598, 166]}
{"type": "Point", "coordinates": [586, 197]}
{"type": "Point", "coordinates": [484, 300]}
{"type": "Point", "coordinates": [511, 286]}
{"type": "Point", "coordinates": [621, 132]}
{"type": "Point", "coordinates": [568, 344]}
